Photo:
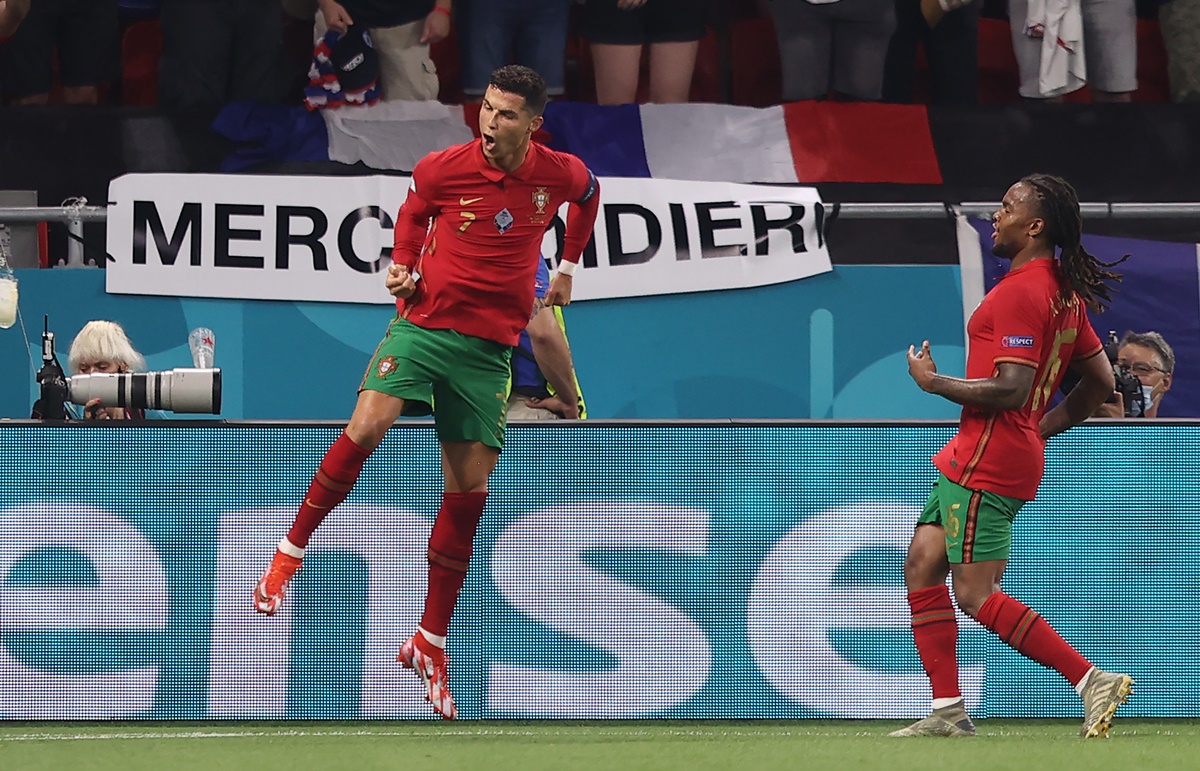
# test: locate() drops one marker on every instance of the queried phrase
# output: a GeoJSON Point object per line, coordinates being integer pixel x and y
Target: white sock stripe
{"type": "Point", "coordinates": [947, 702]}
{"type": "Point", "coordinates": [437, 639]}
{"type": "Point", "coordinates": [1083, 681]}
{"type": "Point", "coordinates": [290, 549]}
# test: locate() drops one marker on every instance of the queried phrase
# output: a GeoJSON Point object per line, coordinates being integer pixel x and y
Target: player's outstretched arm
{"type": "Point", "coordinates": [1008, 389]}
{"type": "Point", "coordinates": [553, 356]}
{"type": "Point", "coordinates": [1095, 386]}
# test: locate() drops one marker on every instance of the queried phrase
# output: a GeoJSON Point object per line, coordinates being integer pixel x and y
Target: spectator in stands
{"type": "Point", "coordinates": [618, 30]}
{"type": "Point", "coordinates": [1180, 24]}
{"type": "Point", "coordinates": [85, 36]}
{"type": "Point", "coordinates": [401, 31]}
{"type": "Point", "coordinates": [837, 46]}
{"type": "Point", "coordinates": [1048, 45]}
{"type": "Point", "coordinates": [951, 42]}
{"type": "Point", "coordinates": [220, 51]}
{"type": "Point", "coordinates": [493, 33]}
{"type": "Point", "coordinates": [544, 383]}
{"type": "Point", "coordinates": [12, 13]}
{"type": "Point", "coordinates": [1149, 357]}
{"type": "Point", "coordinates": [100, 347]}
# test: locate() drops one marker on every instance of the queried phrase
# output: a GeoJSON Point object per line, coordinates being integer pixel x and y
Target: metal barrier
{"type": "Point", "coordinates": [75, 215]}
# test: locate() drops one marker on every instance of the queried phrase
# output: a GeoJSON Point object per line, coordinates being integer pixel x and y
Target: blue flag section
{"type": "Point", "coordinates": [1159, 291]}
{"type": "Point", "coordinates": [712, 571]}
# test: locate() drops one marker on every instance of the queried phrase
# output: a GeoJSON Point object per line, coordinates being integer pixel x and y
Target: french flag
{"type": "Point", "coordinates": [800, 142]}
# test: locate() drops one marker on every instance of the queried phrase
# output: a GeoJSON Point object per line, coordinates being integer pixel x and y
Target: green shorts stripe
{"type": "Point", "coordinates": [968, 541]}
{"type": "Point", "coordinates": [978, 523]}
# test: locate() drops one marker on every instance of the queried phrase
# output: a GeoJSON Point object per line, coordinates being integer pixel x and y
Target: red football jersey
{"type": "Point", "coordinates": [1024, 319]}
{"type": "Point", "coordinates": [478, 260]}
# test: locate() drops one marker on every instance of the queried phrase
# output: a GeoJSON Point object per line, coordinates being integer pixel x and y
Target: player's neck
{"type": "Point", "coordinates": [1026, 256]}
{"type": "Point", "coordinates": [510, 163]}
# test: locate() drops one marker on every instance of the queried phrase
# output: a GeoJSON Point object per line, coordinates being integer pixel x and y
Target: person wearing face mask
{"type": "Point", "coordinates": [1149, 357]}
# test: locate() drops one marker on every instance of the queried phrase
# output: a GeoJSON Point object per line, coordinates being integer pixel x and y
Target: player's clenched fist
{"type": "Point", "coordinates": [400, 282]}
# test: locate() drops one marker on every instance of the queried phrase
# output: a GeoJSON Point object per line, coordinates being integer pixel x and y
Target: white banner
{"type": "Point", "coordinates": [327, 238]}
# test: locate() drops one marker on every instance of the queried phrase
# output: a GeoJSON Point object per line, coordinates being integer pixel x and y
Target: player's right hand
{"type": "Point", "coordinates": [400, 283]}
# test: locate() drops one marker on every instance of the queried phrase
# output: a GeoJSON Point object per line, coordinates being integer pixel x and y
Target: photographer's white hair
{"type": "Point", "coordinates": [104, 341]}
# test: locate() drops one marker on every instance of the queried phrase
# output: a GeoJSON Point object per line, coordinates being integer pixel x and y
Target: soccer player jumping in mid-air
{"type": "Point", "coordinates": [1024, 334]}
{"type": "Point", "coordinates": [465, 290]}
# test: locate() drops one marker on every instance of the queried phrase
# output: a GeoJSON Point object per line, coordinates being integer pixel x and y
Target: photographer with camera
{"type": "Point", "coordinates": [103, 347]}
{"type": "Point", "coordinates": [108, 384]}
{"type": "Point", "coordinates": [1143, 364]}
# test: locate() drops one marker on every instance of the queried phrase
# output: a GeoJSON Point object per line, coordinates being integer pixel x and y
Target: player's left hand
{"type": "Point", "coordinates": [559, 292]}
{"type": "Point", "coordinates": [400, 283]}
{"type": "Point", "coordinates": [437, 27]}
{"type": "Point", "coordinates": [921, 366]}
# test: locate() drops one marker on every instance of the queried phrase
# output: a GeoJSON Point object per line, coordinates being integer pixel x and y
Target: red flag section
{"type": "Point", "coordinates": [861, 142]}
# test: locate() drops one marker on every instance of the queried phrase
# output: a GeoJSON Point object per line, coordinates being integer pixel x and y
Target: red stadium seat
{"type": "Point", "coordinates": [141, 48]}
{"type": "Point", "coordinates": [1152, 64]}
{"type": "Point", "coordinates": [444, 54]}
{"type": "Point", "coordinates": [999, 80]}
{"type": "Point", "coordinates": [754, 59]}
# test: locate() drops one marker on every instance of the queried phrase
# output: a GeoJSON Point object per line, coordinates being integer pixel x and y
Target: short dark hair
{"type": "Point", "coordinates": [522, 81]}
{"type": "Point", "coordinates": [1155, 342]}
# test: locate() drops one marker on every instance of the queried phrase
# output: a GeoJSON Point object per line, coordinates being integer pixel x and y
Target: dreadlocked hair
{"type": "Point", "coordinates": [1087, 276]}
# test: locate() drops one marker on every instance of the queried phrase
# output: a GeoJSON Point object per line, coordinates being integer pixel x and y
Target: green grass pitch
{"type": "Point", "coordinates": [1158, 745]}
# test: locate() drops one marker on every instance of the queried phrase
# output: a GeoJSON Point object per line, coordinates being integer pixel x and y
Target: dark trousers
{"type": "Point", "coordinates": [219, 51]}
{"type": "Point", "coordinates": [951, 48]}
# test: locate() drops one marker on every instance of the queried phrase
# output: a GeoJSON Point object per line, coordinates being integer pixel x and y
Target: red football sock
{"type": "Point", "coordinates": [331, 484]}
{"type": "Point", "coordinates": [936, 633]}
{"type": "Point", "coordinates": [1032, 636]}
{"type": "Point", "coordinates": [449, 556]}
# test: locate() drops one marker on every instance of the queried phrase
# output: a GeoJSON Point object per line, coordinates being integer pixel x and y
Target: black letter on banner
{"type": "Point", "coordinates": [560, 235]}
{"type": "Point", "coordinates": [285, 238]}
{"type": "Point", "coordinates": [790, 223]}
{"type": "Point", "coordinates": [224, 234]}
{"type": "Point", "coordinates": [145, 214]}
{"type": "Point", "coordinates": [346, 239]}
{"type": "Point", "coordinates": [709, 227]}
{"type": "Point", "coordinates": [612, 217]}
{"type": "Point", "coordinates": [819, 210]}
{"type": "Point", "coordinates": [679, 227]}
{"type": "Point", "coordinates": [589, 258]}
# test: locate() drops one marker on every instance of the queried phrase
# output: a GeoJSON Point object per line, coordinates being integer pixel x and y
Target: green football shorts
{"type": "Point", "coordinates": [978, 524]}
{"type": "Point", "coordinates": [466, 377]}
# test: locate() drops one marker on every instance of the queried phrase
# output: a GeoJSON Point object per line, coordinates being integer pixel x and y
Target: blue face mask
{"type": "Point", "coordinates": [1146, 398]}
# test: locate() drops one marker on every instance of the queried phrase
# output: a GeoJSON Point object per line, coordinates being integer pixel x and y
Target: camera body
{"type": "Point", "coordinates": [1128, 384]}
{"type": "Point", "coordinates": [191, 390]}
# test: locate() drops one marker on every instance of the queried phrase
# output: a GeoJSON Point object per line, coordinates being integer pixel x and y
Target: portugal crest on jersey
{"type": "Point", "coordinates": [387, 365]}
{"type": "Point", "coordinates": [503, 220]}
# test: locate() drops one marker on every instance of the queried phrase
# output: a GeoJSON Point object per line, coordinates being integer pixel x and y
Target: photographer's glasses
{"type": "Point", "coordinates": [1140, 368]}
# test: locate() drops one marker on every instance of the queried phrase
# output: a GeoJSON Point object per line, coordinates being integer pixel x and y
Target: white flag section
{"type": "Point", "coordinates": [328, 238]}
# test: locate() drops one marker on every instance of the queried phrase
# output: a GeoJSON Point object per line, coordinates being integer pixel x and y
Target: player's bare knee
{"type": "Point", "coordinates": [367, 428]}
{"type": "Point", "coordinates": [970, 599]}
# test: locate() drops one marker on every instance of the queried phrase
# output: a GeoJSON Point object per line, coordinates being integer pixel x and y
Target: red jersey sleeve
{"type": "Point", "coordinates": [412, 221]}
{"type": "Point", "coordinates": [581, 214]}
{"type": "Point", "coordinates": [1021, 320]}
{"type": "Point", "coordinates": [1087, 343]}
